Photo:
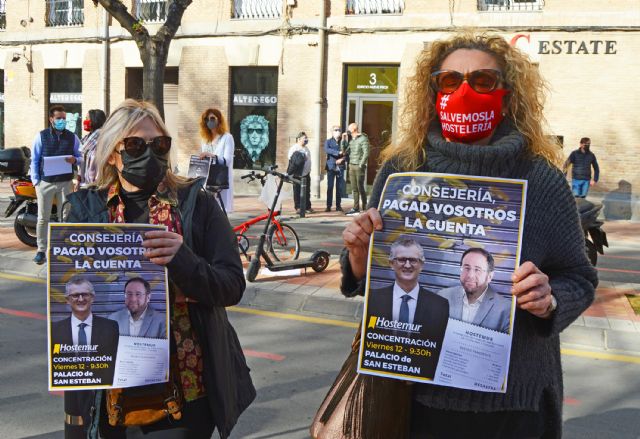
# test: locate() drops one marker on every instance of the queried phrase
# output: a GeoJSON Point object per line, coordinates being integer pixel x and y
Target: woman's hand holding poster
{"type": "Point", "coordinates": [439, 307]}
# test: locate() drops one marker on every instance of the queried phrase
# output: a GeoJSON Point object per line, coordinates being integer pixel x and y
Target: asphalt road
{"type": "Point", "coordinates": [293, 363]}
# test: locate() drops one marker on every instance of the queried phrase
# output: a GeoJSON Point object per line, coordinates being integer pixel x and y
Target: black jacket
{"type": "Point", "coordinates": [207, 268]}
{"type": "Point", "coordinates": [582, 163]}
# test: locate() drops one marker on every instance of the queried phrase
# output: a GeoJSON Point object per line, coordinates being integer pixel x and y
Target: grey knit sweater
{"type": "Point", "coordinates": [552, 240]}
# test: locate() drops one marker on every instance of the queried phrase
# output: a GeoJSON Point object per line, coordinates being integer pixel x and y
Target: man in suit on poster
{"type": "Point", "coordinates": [83, 328]}
{"type": "Point", "coordinates": [138, 318]}
{"type": "Point", "coordinates": [407, 302]}
{"type": "Point", "coordinates": [474, 300]}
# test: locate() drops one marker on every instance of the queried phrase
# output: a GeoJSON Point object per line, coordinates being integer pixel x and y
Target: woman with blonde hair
{"type": "Point", "coordinates": [218, 143]}
{"type": "Point", "coordinates": [457, 80]}
{"type": "Point", "coordinates": [135, 184]}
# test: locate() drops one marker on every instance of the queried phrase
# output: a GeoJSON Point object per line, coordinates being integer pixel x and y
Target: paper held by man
{"type": "Point", "coordinates": [439, 308]}
{"type": "Point", "coordinates": [107, 308]}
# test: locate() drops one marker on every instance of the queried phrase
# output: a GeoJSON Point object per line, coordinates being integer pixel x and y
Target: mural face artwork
{"type": "Point", "coordinates": [254, 135]}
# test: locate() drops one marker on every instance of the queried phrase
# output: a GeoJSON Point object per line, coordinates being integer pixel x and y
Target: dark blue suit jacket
{"type": "Point", "coordinates": [332, 148]}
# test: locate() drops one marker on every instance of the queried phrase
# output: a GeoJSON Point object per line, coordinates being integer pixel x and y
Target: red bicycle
{"type": "Point", "coordinates": [282, 240]}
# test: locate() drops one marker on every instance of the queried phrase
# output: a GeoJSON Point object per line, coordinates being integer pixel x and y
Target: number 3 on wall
{"type": "Point", "coordinates": [373, 79]}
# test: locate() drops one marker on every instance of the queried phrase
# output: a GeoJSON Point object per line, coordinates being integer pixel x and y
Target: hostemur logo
{"type": "Point", "coordinates": [60, 348]}
{"type": "Point", "coordinates": [382, 323]}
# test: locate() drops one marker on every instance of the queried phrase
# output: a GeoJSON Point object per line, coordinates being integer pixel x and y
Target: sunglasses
{"type": "Point", "coordinates": [482, 81]}
{"type": "Point", "coordinates": [136, 146]}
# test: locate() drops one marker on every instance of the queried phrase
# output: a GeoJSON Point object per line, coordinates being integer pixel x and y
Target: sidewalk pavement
{"type": "Point", "coordinates": [610, 323]}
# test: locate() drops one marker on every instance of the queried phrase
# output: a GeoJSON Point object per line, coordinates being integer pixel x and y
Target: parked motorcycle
{"type": "Point", "coordinates": [14, 163]}
{"type": "Point", "coordinates": [595, 239]}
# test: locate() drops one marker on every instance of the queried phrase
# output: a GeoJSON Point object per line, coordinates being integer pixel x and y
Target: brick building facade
{"type": "Point", "coordinates": [586, 49]}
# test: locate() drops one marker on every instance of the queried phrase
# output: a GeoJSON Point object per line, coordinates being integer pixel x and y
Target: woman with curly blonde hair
{"type": "Point", "coordinates": [475, 107]}
{"type": "Point", "coordinates": [218, 144]}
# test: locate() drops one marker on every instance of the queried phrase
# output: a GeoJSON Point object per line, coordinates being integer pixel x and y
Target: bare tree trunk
{"type": "Point", "coordinates": [154, 59]}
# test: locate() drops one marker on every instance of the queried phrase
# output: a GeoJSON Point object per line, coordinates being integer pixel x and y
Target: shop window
{"type": "Point", "coordinates": [253, 119]}
{"type": "Point", "coordinates": [65, 88]}
{"type": "Point", "coordinates": [64, 13]}
{"type": "Point", "coordinates": [510, 5]}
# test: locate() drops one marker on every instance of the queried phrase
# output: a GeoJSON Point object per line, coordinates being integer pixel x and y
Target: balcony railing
{"type": "Point", "coordinates": [256, 9]}
{"type": "Point", "coordinates": [3, 14]}
{"type": "Point", "coordinates": [367, 7]}
{"type": "Point", "coordinates": [151, 11]}
{"type": "Point", "coordinates": [510, 5]}
{"type": "Point", "coordinates": [64, 13]}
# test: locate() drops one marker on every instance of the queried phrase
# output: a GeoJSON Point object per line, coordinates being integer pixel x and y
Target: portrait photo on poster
{"type": "Point", "coordinates": [107, 308]}
{"type": "Point", "coordinates": [438, 305]}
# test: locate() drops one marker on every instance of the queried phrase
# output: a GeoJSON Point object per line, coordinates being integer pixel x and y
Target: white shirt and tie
{"type": "Point", "coordinates": [75, 328]}
{"type": "Point", "coordinates": [398, 294]}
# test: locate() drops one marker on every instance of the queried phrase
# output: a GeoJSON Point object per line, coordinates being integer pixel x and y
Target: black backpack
{"type": "Point", "coordinates": [296, 164]}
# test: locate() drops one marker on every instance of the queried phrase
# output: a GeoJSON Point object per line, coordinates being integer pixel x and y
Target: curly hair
{"type": "Point", "coordinates": [205, 132]}
{"type": "Point", "coordinates": [524, 105]}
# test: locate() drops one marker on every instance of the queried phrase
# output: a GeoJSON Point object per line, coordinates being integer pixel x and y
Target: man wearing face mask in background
{"type": "Point", "coordinates": [301, 146]}
{"type": "Point", "coordinates": [357, 149]}
{"type": "Point", "coordinates": [582, 160]}
{"type": "Point", "coordinates": [335, 169]}
{"type": "Point", "coordinates": [52, 141]}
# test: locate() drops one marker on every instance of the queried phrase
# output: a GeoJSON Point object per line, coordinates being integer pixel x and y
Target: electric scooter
{"type": "Point", "coordinates": [318, 261]}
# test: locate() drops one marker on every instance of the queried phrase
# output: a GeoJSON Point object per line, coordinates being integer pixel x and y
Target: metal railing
{"type": "Point", "coordinates": [256, 9]}
{"type": "Point", "coordinates": [365, 7]}
{"type": "Point", "coordinates": [151, 11]}
{"type": "Point", "coordinates": [3, 14]}
{"type": "Point", "coordinates": [64, 13]}
{"type": "Point", "coordinates": [510, 5]}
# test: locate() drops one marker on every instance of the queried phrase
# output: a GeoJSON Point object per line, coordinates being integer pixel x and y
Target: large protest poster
{"type": "Point", "coordinates": [439, 308]}
{"type": "Point", "coordinates": [107, 308]}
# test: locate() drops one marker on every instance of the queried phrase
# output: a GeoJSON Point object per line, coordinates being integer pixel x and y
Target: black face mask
{"type": "Point", "coordinates": [146, 171]}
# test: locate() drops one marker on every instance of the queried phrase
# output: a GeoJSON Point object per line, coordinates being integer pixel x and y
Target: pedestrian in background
{"type": "Point", "coordinates": [301, 147]}
{"type": "Point", "coordinates": [218, 144]}
{"type": "Point", "coordinates": [466, 75]}
{"type": "Point", "coordinates": [55, 140]}
{"type": "Point", "coordinates": [358, 151]}
{"type": "Point", "coordinates": [582, 160]}
{"type": "Point", "coordinates": [136, 185]}
{"type": "Point", "coordinates": [335, 169]}
{"type": "Point", "coordinates": [87, 170]}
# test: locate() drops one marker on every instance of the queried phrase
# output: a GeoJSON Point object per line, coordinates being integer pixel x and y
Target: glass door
{"type": "Point", "coordinates": [376, 118]}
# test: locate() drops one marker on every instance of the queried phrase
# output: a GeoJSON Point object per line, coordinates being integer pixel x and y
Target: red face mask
{"type": "Point", "coordinates": [86, 125]}
{"type": "Point", "coordinates": [467, 116]}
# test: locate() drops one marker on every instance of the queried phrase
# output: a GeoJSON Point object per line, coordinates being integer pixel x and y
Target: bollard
{"type": "Point", "coordinates": [303, 197]}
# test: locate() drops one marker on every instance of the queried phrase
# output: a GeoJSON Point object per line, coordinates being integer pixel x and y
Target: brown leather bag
{"type": "Point", "coordinates": [362, 406]}
{"type": "Point", "coordinates": [146, 404]}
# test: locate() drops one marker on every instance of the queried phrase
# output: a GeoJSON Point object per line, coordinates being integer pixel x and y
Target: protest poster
{"type": "Point", "coordinates": [199, 167]}
{"type": "Point", "coordinates": [106, 309]}
{"type": "Point", "coordinates": [438, 303]}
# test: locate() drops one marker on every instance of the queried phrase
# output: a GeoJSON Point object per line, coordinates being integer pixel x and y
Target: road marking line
{"type": "Point", "coordinates": [27, 314]}
{"type": "Point", "coordinates": [616, 270]}
{"type": "Point", "coordinates": [265, 355]}
{"type": "Point", "coordinates": [31, 279]}
{"type": "Point", "coordinates": [301, 318]}
{"type": "Point", "coordinates": [601, 356]}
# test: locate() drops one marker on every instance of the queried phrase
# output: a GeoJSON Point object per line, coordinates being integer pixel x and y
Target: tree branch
{"type": "Point", "coordinates": [119, 11]}
{"type": "Point", "coordinates": [172, 23]}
